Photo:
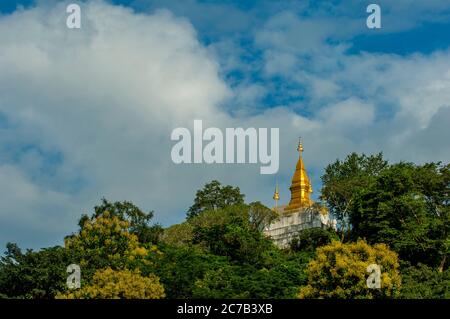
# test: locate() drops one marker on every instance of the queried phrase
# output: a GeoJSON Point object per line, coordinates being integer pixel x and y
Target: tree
{"type": "Point", "coordinates": [109, 238]}
{"type": "Point", "coordinates": [138, 220]}
{"type": "Point", "coordinates": [261, 216]}
{"type": "Point", "coordinates": [178, 235]}
{"type": "Point", "coordinates": [340, 271]}
{"type": "Point", "coordinates": [214, 196]}
{"type": "Point", "coordinates": [228, 232]}
{"type": "Point", "coordinates": [423, 282]}
{"type": "Point", "coordinates": [403, 205]}
{"type": "Point", "coordinates": [180, 267]}
{"type": "Point", "coordinates": [278, 280]}
{"type": "Point", "coordinates": [118, 284]}
{"type": "Point", "coordinates": [105, 241]}
{"type": "Point", "coordinates": [406, 207]}
{"type": "Point", "coordinates": [312, 238]}
{"type": "Point", "coordinates": [343, 180]}
{"type": "Point", "coordinates": [38, 275]}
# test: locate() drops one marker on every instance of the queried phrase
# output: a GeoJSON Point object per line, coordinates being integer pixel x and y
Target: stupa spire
{"type": "Point", "coordinates": [276, 195]}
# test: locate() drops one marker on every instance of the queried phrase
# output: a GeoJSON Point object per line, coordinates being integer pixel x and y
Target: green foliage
{"type": "Point", "coordinates": [310, 239]}
{"type": "Point", "coordinates": [229, 257]}
{"type": "Point", "coordinates": [247, 281]}
{"type": "Point", "coordinates": [406, 207]}
{"type": "Point", "coordinates": [180, 267]}
{"type": "Point", "coordinates": [220, 251]}
{"type": "Point", "coordinates": [403, 205]}
{"type": "Point", "coordinates": [38, 275]}
{"type": "Point", "coordinates": [261, 216]}
{"type": "Point", "coordinates": [178, 235]}
{"type": "Point", "coordinates": [214, 196]}
{"type": "Point", "coordinates": [343, 179]}
{"type": "Point", "coordinates": [229, 232]}
{"type": "Point", "coordinates": [423, 282]}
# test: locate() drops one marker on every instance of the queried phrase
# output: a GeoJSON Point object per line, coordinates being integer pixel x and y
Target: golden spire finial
{"type": "Point", "coordinates": [300, 146]}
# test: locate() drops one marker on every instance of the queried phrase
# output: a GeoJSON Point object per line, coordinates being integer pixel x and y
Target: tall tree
{"type": "Point", "coordinates": [344, 179]}
{"type": "Point", "coordinates": [214, 196]}
{"type": "Point", "coordinates": [406, 207]}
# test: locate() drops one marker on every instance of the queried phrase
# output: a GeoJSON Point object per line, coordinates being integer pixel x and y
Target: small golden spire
{"type": "Point", "coordinates": [276, 195]}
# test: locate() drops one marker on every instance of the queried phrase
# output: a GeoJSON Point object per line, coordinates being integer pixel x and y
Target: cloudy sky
{"type": "Point", "coordinates": [88, 113]}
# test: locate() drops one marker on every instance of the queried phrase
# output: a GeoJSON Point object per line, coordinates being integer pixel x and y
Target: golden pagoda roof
{"type": "Point", "coordinates": [301, 187]}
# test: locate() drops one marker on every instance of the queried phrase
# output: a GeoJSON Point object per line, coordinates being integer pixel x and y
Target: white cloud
{"type": "Point", "coordinates": [29, 213]}
{"type": "Point", "coordinates": [351, 113]}
{"type": "Point", "coordinates": [106, 97]}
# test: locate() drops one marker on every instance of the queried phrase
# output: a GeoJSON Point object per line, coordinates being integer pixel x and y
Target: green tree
{"type": "Point", "coordinates": [403, 205]}
{"type": "Point", "coordinates": [38, 275]}
{"type": "Point", "coordinates": [310, 239]}
{"type": "Point", "coordinates": [406, 207]}
{"type": "Point", "coordinates": [278, 280]}
{"type": "Point", "coordinates": [261, 216]}
{"type": "Point", "coordinates": [214, 196]}
{"type": "Point", "coordinates": [180, 267]}
{"type": "Point", "coordinates": [228, 232]}
{"type": "Point", "coordinates": [344, 179]}
{"type": "Point", "coordinates": [423, 282]}
{"type": "Point", "coordinates": [178, 234]}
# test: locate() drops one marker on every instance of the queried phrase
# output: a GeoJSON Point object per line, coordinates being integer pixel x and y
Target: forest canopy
{"type": "Point", "coordinates": [395, 215]}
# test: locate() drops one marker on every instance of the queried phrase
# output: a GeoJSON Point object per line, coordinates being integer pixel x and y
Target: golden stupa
{"type": "Point", "coordinates": [301, 187]}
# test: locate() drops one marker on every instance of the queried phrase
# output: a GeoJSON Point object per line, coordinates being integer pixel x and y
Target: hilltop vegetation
{"type": "Point", "coordinates": [393, 215]}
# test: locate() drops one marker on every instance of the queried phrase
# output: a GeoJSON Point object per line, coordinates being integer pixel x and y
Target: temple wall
{"type": "Point", "coordinates": [284, 229]}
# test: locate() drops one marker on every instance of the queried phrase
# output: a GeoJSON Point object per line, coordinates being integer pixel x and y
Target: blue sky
{"type": "Point", "coordinates": [87, 114]}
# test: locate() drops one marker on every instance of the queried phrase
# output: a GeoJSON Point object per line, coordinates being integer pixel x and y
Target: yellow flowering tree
{"type": "Point", "coordinates": [112, 259]}
{"type": "Point", "coordinates": [341, 271]}
{"type": "Point", "coordinates": [118, 284]}
{"type": "Point", "coordinates": [105, 241]}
